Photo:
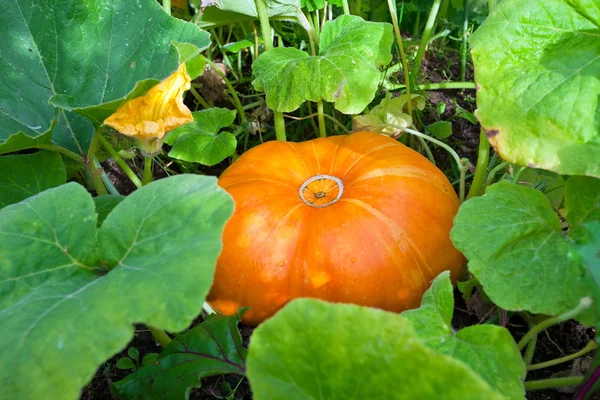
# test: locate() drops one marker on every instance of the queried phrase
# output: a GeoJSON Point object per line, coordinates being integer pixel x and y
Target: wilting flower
{"type": "Point", "coordinates": [150, 117]}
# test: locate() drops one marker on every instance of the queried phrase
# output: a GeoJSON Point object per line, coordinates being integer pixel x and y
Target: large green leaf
{"type": "Point", "coordinates": [22, 176]}
{"type": "Point", "coordinates": [214, 347]}
{"type": "Point", "coordinates": [345, 71]}
{"type": "Point", "coordinates": [517, 250]}
{"type": "Point", "coordinates": [316, 350]}
{"type": "Point", "coordinates": [84, 57]}
{"type": "Point", "coordinates": [200, 141]}
{"type": "Point", "coordinates": [488, 349]}
{"type": "Point", "coordinates": [222, 12]}
{"type": "Point", "coordinates": [582, 201]}
{"type": "Point", "coordinates": [70, 293]}
{"type": "Point", "coordinates": [537, 67]}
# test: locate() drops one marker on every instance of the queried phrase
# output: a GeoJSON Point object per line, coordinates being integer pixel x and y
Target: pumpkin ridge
{"type": "Point", "coordinates": [404, 172]}
{"type": "Point", "coordinates": [393, 228]}
{"type": "Point", "coordinates": [293, 147]}
{"type": "Point", "coordinates": [335, 154]}
{"type": "Point", "coordinates": [382, 146]}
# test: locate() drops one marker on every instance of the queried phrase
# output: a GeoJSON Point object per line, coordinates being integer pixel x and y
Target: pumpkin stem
{"type": "Point", "coordinates": [322, 193]}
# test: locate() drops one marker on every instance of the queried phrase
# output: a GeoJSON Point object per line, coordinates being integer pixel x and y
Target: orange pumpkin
{"type": "Point", "coordinates": [356, 219]}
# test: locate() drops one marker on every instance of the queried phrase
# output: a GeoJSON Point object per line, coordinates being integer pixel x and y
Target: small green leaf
{"type": "Point", "coordinates": [440, 129]}
{"type": "Point", "coordinates": [198, 141]}
{"type": "Point", "coordinates": [22, 176]}
{"type": "Point", "coordinates": [150, 358]}
{"type": "Point", "coordinates": [133, 353]}
{"type": "Point", "coordinates": [214, 347]}
{"type": "Point", "coordinates": [105, 204]}
{"type": "Point", "coordinates": [316, 350]}
{"type": "Point", "coordinates": [345, 71]}
{"type": "Point", "coordinates": [125, 363]}
{"type": "Point", "coordinates": [537, 69]}
{"type": "Point", "coordinates": [236, 47]}
{"type": "Point", "coordinates": [160, 247]}
{"type": "Point", "coordinates": [516, 249]}
{"type": "Point", "coordinates": [488, 349]}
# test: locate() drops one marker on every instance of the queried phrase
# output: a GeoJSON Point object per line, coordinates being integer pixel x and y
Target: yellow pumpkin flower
{"type": "Point", "coordinates": [150, 117]}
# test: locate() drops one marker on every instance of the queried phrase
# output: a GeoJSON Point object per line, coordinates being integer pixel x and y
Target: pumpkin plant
{"type": "Point", "coordinates": [359, 218]}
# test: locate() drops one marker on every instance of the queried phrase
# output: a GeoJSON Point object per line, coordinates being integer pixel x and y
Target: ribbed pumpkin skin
{"type": "Point", "coordinates": [379, 245]}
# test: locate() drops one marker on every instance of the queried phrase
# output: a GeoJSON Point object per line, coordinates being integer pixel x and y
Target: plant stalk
{"type": "Point", "coordinates": [392, 7]}
{"type": "Point", "coordinates": [320, 113]}
{"type": "Point", "coordinates": [493, 173]}
{"type": "Point", "coordinates": [553, 382]}
{"type": "Point", "coordinates": [236, 100]}
{"type": "Point", "coordinates": [588, 347]}
{"type": "Point", "coordinates": [483, 157]}
{"type": "Point", "coordinates": [463, 48]}
{"type": "Point", "coordinates": [584, 303]}
{"type": "Point", "coordinates": [148, 161]}
{"type": "Point", "coordinates": [585, 389]}
{"type": "Point", "coordinates": [437, 86]}
{"type": "Point", "coordinates": [462, 163]}
{"type": "Point", "coordinates": [425, 38]}
{"type": "Point", "coordinates": [160, 336]}
{"type": "Point", "coordinates": [263, 17]}
{"type": "Point", "coordinates": [167, 6]}
{"type": "Point", "coordinates": [346, 8]}
{"type": "Point", "coordinates": [113, 153]}
{"type": "Point", "coordinates": [61, 150]}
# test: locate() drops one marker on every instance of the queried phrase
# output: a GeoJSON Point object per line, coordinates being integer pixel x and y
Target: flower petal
{"type": "Point", "coordinates": [152, 116]}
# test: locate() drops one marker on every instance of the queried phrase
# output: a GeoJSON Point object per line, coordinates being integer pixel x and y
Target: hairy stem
{"type": "Point", "coordinates": [61, 150]}
{"type": "Point", "coordinates": [392, 7]}
{"type": "Point", "coordinates": [320, 115]}
{"type": "Point", "coordinates": [160, 336]}
{"type": "Point", "coordinates": [346, 8]}
{"type": "Point", "coordinates": [464, 45]}
{"type": "Point", "coordinates": [584, 303]}
{"type": "Point", "coordinates": [588, 347]}
{"type": "Point", "coordinates": [483, 156]}
{"type": "Point", "coordinates": [437, 86]}
{"type": "Point", "coordinates": [263, 17]}
{"type": "Point", "coordinates": [147, 178]}
{"type": "Point", "coordinates": [462, 163]}
{"type": "Point", "coordinates": [236, 100]}
{"type": "Point", "coordinates": [553, 382]}
{"type": "Point", "coordinates": [493, 173]}
{"type": "Point", "coordinates": [122, 164]}
{"type": "Point", "coordinates": [425, 38]}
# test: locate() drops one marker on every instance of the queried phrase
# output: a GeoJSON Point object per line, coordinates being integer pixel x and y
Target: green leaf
{"type": "Point", "coordinates": [198, 141]}
{"type": "Point", "coordinates": [70, 293]}
{"type": "Point", "coordinates": [488, 349]}
{"type": "Point", "coordinates": [225, 12]}
{"type": "Point", "coordinates": [589, 251]}
{"type": "Point", "coordinates": [582, 201]}
{"type": "Point", "coordinates": [117, 51]}
{"type": "Point", "coordinates": [125, 363]}
{"type": "Point", "coordinates": [312, 5]}
{"type": "Point", "coordinates": [316, 350]}
{"type": "Point", "coordinates": [105, 204]}
{"type": "Point", "coordinates": [516, 249]}
{"type": "Point", "coordinates": [214, 347]}
{"type": "Point", "coordinates": [345, 71]}
{"type": "Point", "coordinates": [549, 183]}
{"type": "Point", "coordinates": [133, 353]}
{"type": "Point", "coordinates": [440, 129]}
{"type": "Point", "coordinates": [22, 176]}
{"type": "Point", "coordinates": [537, 67]}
